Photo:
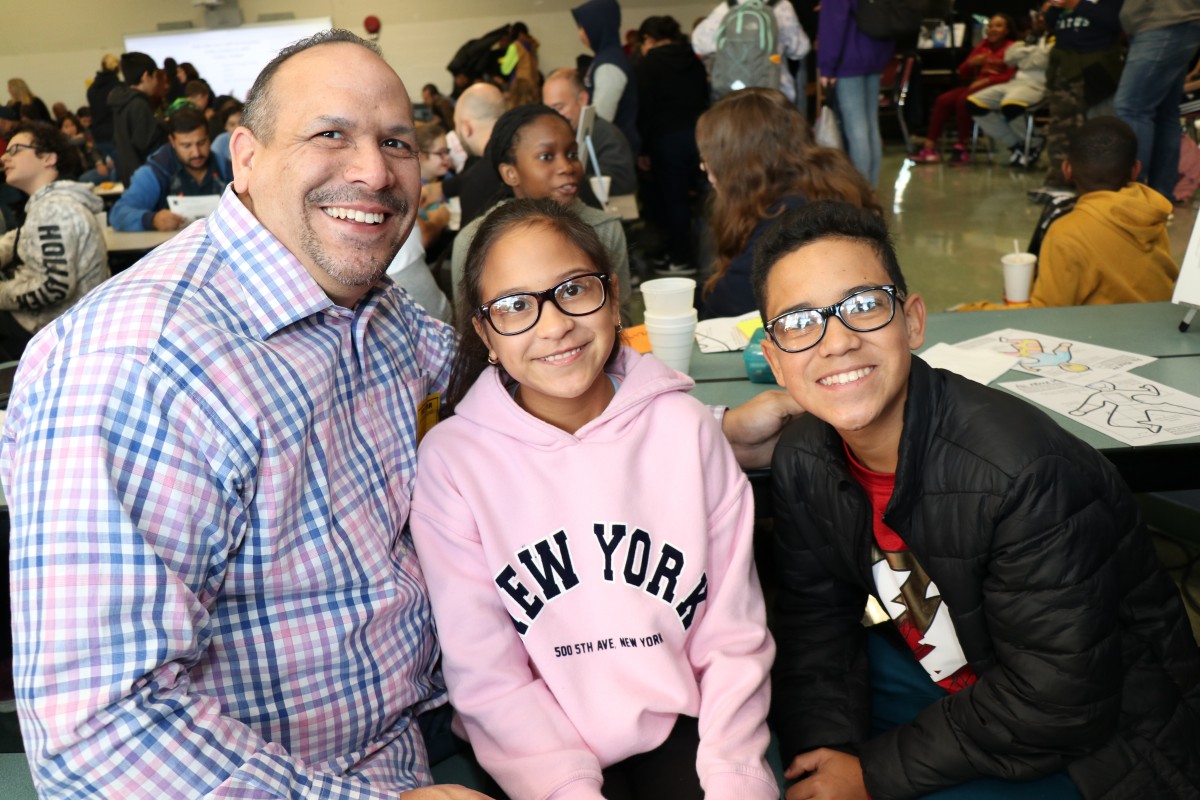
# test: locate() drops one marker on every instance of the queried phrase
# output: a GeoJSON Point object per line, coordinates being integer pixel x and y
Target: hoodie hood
{"type": "Point", "coordinates": [164, 162]}
{"type": "Point", "coordinates": [1137, 210]}
{"type": "Point", "coordinates": [601, 21]}
{"type": "Point", "coordinates": [122, 95]}
{"type": "Point", "coordinates": [489, 405]}
{"type": "Point", "coordinates": [73, 191]}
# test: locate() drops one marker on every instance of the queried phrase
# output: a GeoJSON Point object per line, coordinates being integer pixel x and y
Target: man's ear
{"type": "Point", "coordinates": [586, 97]}
{"type": "Point", "coordinates": [509, 174]}
{"type": "Point", "coordinates": [1137, 170]}
{"type": "Point", "coordinates": [1067, 172]}
{"type": "Point", "coordinates": [242, 148]}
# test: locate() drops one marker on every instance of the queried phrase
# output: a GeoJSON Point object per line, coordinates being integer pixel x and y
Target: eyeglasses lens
{"type": "Point", "coordinates": [863, 311]}
{"type": "Point", "coordinates": [576, 297]}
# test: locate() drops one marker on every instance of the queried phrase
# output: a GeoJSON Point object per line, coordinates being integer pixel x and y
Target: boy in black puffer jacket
{"type": "Point", "coordinates": [1040, 647]}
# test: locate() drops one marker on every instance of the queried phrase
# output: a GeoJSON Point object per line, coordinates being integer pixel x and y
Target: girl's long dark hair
{"type": "Point", "coordinates": [471, 359]}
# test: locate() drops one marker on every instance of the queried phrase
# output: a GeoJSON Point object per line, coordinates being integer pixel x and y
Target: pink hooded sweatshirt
{"type": "Point", "coordinates": [590, 588]}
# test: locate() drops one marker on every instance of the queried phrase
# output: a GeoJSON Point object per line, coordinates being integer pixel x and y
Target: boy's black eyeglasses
{"type": "Point", "coordinates": [864, 311]}
{"type": "Point", "coordinates": [577, 296]}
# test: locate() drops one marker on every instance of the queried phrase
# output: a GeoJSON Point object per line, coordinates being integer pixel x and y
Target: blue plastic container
{"type": "Point", "coordinates": [757, 368]}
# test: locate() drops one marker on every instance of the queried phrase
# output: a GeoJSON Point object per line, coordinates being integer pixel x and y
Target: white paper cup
{"type": "Point", "coordinates": [455, 207]}
{"type": "Point", "coordinates": [601, 187]}
{"type": "Point", "coordinates": [669, 296]}
{"type": "Point", "coordinates": [1018, 276]}
{"type": "Point", "coordinates": [677, 358]}
{"type": "Point", "coordinates": [671, 337]}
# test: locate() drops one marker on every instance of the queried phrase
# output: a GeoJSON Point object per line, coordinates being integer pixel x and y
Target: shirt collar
{"type": "Point", "coordinates": [279, 289]}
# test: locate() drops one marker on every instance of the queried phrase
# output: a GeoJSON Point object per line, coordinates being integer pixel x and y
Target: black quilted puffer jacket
{"type": "Point", "coordinates": [1085, 657]}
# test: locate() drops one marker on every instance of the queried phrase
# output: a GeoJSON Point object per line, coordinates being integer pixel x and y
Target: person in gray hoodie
{"type": "Point", "coordinates": [59, 253]}
{"type": "Point", "coordinates": [1163, 38]}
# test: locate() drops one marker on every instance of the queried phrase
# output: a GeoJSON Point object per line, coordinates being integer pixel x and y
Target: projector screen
{"type": "Point", "coordinates": [228, 58]}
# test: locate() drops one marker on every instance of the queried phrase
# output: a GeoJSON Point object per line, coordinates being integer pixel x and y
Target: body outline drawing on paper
{"type": "Point", "coordinates": [1129, 403]}
{"type": "Point", "coordinates": [1035, 358]}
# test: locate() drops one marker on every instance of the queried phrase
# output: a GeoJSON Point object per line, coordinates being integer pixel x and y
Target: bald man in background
{"type": "Point", "coordinates": [478, 187]}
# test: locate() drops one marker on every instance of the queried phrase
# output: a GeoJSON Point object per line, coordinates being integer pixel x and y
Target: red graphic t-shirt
{"type": "Point", "coordinates": [909, 597]}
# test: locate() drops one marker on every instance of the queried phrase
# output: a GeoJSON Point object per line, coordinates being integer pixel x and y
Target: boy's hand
{"type": "Point", "coordinates": [167, 220]}
{"type": "Point", "coordinates": [753, 427]}
{"type": "Point", "coordinates": [829, 775]}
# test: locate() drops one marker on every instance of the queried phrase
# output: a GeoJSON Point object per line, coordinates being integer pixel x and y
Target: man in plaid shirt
{"type": "Point", "coordinates": [209, 464]}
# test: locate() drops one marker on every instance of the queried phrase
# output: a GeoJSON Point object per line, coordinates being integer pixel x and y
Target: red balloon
{"type": "Point", "coordinates": [371, 23]}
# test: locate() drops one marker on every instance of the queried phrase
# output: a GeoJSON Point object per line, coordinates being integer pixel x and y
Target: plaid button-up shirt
{"type": "Point", "coordinates": [208, 466]}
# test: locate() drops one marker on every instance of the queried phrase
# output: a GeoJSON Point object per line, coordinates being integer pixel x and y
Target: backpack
{"type": "Point", "coordinates": [747, 48]}
{"type": "Point", "coordinates": [474, 58]}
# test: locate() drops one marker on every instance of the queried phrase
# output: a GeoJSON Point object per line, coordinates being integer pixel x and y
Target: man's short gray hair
{"type": "Point", "coordinates": [259, 112]}
{"type": "Point", "coordinates": [570, 75]}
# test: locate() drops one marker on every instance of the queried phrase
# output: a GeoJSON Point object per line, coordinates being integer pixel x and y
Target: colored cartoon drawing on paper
{"type": "Point", "coordinates": [1132, 407]}
{"type": "Point", "coordinates": [1035, 358]}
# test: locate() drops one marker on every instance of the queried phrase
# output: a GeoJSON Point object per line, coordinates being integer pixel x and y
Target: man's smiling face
{"type": "Point", "coordinates": [333, 172]}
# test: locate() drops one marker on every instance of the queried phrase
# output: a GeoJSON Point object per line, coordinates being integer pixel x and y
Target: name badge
{"type": "Point", "coordinates": [428, 414]}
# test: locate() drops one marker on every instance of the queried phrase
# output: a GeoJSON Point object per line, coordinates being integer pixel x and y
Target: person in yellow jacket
{"type": "Point", "coordinates": [1112, 247]}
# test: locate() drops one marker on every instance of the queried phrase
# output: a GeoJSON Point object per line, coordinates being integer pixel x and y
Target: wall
{"type": "Point", "coordinates": [66, 38]}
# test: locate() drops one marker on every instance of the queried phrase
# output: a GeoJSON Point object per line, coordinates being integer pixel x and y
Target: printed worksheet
{"type": "Point", "coordinates": [1126, 407]}
{"type": "Point", "coordinates": [1054, 357]}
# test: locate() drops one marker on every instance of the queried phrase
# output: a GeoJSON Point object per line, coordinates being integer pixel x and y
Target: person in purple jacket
{"type": "Point", "coordinates": [853, 62]}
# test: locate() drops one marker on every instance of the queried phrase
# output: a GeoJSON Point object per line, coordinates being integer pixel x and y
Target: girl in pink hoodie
{"type": "Point", "coordinates": [586, 537]}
